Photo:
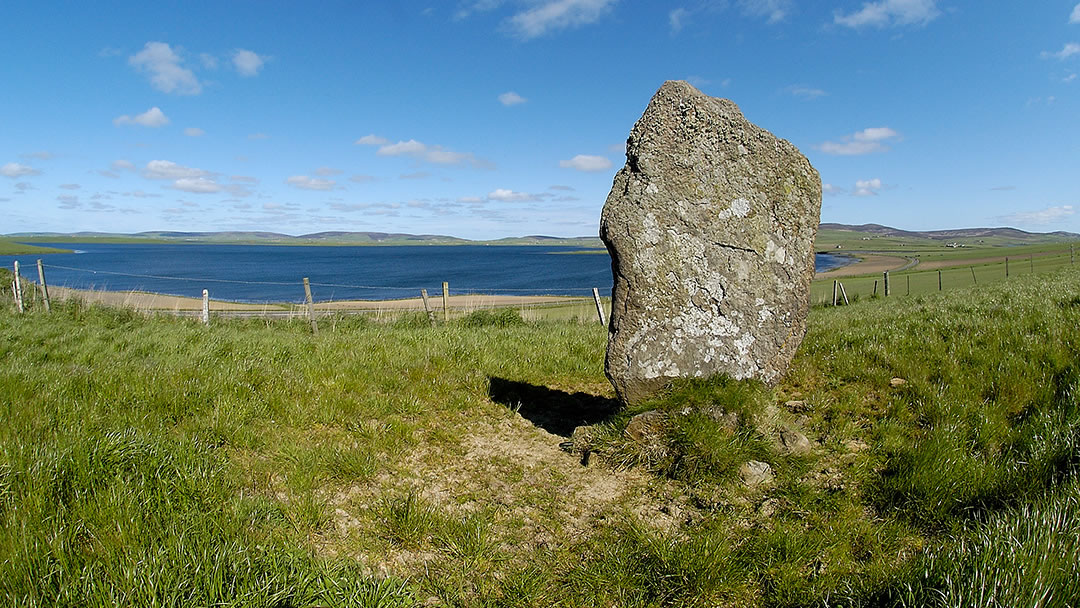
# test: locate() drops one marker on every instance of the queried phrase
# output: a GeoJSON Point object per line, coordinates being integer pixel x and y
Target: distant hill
{"type": "Point", "coordinates": [1012, 234]}
{"type": "Point", "coordinates": [317, 238]}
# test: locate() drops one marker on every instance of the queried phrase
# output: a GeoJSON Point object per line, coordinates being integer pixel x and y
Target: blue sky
{"type": "Point", "coordinates": [492, 118]}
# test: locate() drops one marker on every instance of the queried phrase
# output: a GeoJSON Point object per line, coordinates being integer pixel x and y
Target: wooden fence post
{"type": "Point", "coordinates": [874, 295]}
{"type": "Point", "coordinates": [908, 285]}
{"type": "Point", "coordinates": [599, 306]}
{"type": "Point", "coordinates": [939, 280]}
{"type": "Point", "coordinates": [205, 307]}
{"type": "Point", "coordinates": [843, 292]}
{"type": "Point", "coordinates": [885, 278]}
{"type": "Point", "coordinates": [310, 307]}
{"type": "Point", "coordinates": [18, 289]}
{"type": "Point", "coordinates": [427, 307]}
{"type": "Point", "coordinates": [445, 301]}
{"type": "Point", "coordinates": [973, 275]}
{"type": "Point", "coordinates": [834, 293]}
{"type": "Point", "coordinates": [44, 285]}
{"type": "Point", "coordinates": [1006, 267]}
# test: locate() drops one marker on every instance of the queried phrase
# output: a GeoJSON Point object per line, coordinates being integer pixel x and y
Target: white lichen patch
{"type": "Point", "coordinates": [739, 207]}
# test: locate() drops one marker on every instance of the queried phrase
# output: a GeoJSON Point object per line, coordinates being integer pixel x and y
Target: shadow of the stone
{"type": "Point", "coordinates": [557, 412]}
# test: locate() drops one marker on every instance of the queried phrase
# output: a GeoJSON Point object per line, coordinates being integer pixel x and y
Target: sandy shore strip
{"type": "Point", "coordinates": [869, 263]}
{"type": "Point", "coordinates": [158, 302]}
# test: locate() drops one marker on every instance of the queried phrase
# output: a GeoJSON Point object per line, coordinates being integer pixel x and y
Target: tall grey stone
{"type": "Point", "coordinates": [710, 227]}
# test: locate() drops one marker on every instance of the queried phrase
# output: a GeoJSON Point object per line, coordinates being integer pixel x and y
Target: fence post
{"type": "Point", "coordinates": [908, 285]}
{"type": "Point", "coordinates": [15, 295]}
{"type": "Point", "coordinates": [445, 301]}
{"type": "Point", "coordinates": [939, 280]}
{"type": "Point", "coordinates": [885, 278]}
{"type": "Point", "coordinates": [427, 307]}
{"type": "Point", "coordinates": [1006, 267]}
{"type": "Point", "coordinates": [205, 307]}
{"type": "Point", "coordinates": [1072, 254]}
{"type": "Point", "coordinates": [44, 285]}
{"type": "Point", "coordinates": [843, 292]}
{"type": "Point", "coordinates": [1032, 260]}
{"type": "Point", "coordinates": [18, 288]}
{"type": "Point", "coordinates": [599, 307]}
{"type": "Point", "coordinates": [973, 275]}
{"type": "Point", "coordinates": [310, 307]}
{"type": "Point", "coordinates": [834, 292]}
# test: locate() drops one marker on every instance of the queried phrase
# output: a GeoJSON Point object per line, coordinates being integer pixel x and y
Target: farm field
{"type": "Point", "coordinates": [482, 462]}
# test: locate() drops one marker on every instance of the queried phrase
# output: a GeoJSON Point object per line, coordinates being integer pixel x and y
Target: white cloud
{"type": "Point", "coordinates": [434, 154]}
{"type": "Point", "coordinates": [551, 15]}
{"type": "Point", "coordinates": [1074, 17]}
{"type": "Point", "coordinates": [310, 183]}
{"type": "Point", "coordinates": [70, 186]}
{"type": "Point", "coordinates": [1042, 217]}
{"type": "Point", "coordinates": [477, 6]}
{"type": "Point", "coordinates": [585, 162]}
{"type": "Point", "coordinates": [123, 165]}
{"type": "Point", "coordinates": [372, 140]}
{"type": "Point", "coordinates": [1067, 51]}
{"type": "Point", "coordinates": [509, 196]}
{"type": "Point", "coordinates": [774, 10]}
{"type": "Point", "coordinates": [209, 61]}
{"type": "Point", "coordinates": [14, 170]}
{"type": "Point", "coordinates": [153, 117]}
{"type": "Point", "coordinates": [887, 13]}
{"type": "Point", "coordinates": [248, 63]}
{"type": "Point", "coordinates": [166, 169]}
{"type": "Point", "coordinates": [194, 132]}
{"type": "Point", "coordinates": [805, 92]}
{"type": "Point", "coordinates": [362, 179]}
{"type": "Point", "coordinates": [164, 67]}
{"type": "Point", "coordinates": [511, 98]}
{"type": "Point", "coordinates": [868, 187]}
{"type": "Point", "coordinates": [327, 171]}
{"type": "Point", "coordinates": [675, 19]}
{"type": "Point", "coordinates": [829, 189]}
{"type": "Point", "coordinates": [197, 185]}
{"type": "Point", "coordinates": [862, 142]}
{"type": "Point", "coordinates": [42, 155]}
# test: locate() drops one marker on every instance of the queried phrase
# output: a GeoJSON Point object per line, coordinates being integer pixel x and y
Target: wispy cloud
{"type": "Point", "coordinates": [805, 92]}
{"type": "Point", "coordinates": [1074, 17]}
{"type": "Point", "coordinates": [1070, 49]}
{"type": "Point", "coordinates": [166, 169]}
{"type": "Point", "coordinates": [248, 63]}
{"type": "Point", "coordinates": [164, 66]}
{"type": "Point", "coordinates": [42, 155]}
{"type": "Point", "coordinates": [675, 19]}
{"type": "Point", "coordinates": [773, 10]}
{"type": "Point", "coordinates": [15, 170]}
{"type": "Point", "coordinates": [511, 98]}
{"type": "Point", "coordinates": [197, 185]}
{"type": "Point", "coordinates": [867, 187]}
{"type": "Point", "coordinates": [194, 132]}
{"type": "Point", "coordinates": [509, 196]}
{"type": "Point", "coordinates": [554, 15]}
{"type": "Point", "coordinates": [153, 118]}
{"type": "Point", "coordinates": [587, 163]}
{"type": "Point", "coordinates": [1042, 217]}
{"type": "Point", "coordinates": [862, 142]}
{"type": "Point", "coordinates": [890, 13]}
{"type": "Point", "coordinates": [432, 153]}
{"type": "Point", "coordinates": [310, 183]}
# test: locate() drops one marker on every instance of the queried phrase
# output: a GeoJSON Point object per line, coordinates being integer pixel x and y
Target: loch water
{"type": "Point", "coordinates": [274, 273]}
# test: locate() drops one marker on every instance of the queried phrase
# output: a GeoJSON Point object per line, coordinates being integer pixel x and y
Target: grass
{"type": "Point", "coordinates": [155, 461]}
{"type": "Point", "coordinates": [11, 247]}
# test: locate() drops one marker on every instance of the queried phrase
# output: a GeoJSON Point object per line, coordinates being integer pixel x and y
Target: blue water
{"type": "Point", "coordinates": [274, 273]}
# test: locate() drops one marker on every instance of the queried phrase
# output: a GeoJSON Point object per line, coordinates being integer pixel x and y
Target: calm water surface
{"type": "Point", "coordinates": [274, 273]}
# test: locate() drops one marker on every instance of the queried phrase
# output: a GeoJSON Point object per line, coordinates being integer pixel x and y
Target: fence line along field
{"type": "Point", "coordinates": [923, 452]}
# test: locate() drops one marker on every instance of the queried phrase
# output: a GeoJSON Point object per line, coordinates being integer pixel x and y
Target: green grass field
{"type": "Point", "coordinates": [11, 247]}
{"type": "Point", "coordinates": [157, 462]}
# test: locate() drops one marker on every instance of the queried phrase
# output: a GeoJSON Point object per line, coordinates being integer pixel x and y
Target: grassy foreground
{"type": "Point", "coordinates": [157, 462]}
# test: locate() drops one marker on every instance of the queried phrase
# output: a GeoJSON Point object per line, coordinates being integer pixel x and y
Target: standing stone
{"type": "Point", "coordinates": [710, 227]}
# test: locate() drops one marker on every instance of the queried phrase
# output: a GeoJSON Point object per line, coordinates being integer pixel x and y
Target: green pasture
{"type": "Point", "coordinates": [154, 461]}
{"type": "Point", "coordinates": [11, 247]}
